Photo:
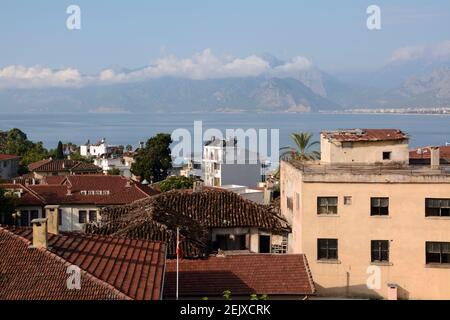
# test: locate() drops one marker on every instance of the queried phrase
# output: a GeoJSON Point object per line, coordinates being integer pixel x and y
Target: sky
{"type": "Point", "coordinates": [204, 37]}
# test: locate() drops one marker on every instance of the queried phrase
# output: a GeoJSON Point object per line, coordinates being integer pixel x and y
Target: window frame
{"type": "Point", "coordinates": [376, 246]}
{"type": "Point", "coordinates": [327, 248]}
{"type": "Point", "coordinates": [90, 212]}
{"type": "Point", "coordinates": [439, 207]}
{"type": "Point", "coordinates": [379, 207]}
{"type": "Point", "coordinates": [327, 206]}
{"type": "Point", "coordinates": [440, 245]}
{"type": "Point", "coordinates": [82, 213]}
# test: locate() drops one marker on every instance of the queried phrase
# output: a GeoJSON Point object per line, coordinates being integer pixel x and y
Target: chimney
{"type": "Point", "coordinates": [435, 157]}
{"type": "Point", "coordinates": [52, 219]}
{"type": "Point", "coordinates": [40, 239]}
{"type": "Point", "coordinates": [197, 186]}
{"type": "Point", "coordinates": [268, 193]}
{"type": "Point", "coordinates": [392, 291]}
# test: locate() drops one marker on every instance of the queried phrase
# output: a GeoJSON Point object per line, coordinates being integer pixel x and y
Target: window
{"type": "Point", "coordinates": [264, 244]}
{"type": "Point", "coordinates": [347, 200]}
{"type": "Point", "coordinates": [380, 250]}
{"type": "Point", "coordinates": [297, 201]}
{"type": "Point", "coordinates": [327, 205]}
{"type": "Point", "coordinates": [438, 252]}
{"type": "Point", "coordinates": [60, 217]}
{"type": "Point", "coordinates": [231, 242]}
{"type": "Point", "coordinates": [289, 203]}
{"type": "Point", "coordinates": [437, 207]}
{"type": "Point", "coordinates": [24, 218]}
{"type": "Point", "coordinates": [327, 249]}
{"type": "Point", "coordinates": [92, 216]}
{"type": "Point", "coordinates": [379, 206]}
{"type": "Point", "coordinates": [82, 216]}
{"type": "Point", "coordinates": [34, 214]}
{"type": "Point", "coordinates": [387, 155]}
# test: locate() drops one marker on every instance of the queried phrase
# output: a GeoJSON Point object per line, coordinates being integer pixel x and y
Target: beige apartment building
{"type": "Point", "coordinates": [370, 224]}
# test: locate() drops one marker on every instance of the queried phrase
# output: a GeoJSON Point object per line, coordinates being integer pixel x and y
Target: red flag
{"type": "Point", "coordinates": [179, 249]}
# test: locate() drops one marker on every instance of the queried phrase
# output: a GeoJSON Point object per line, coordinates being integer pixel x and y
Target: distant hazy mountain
{"type": "Point", "coordinates": [259, 94]}
{"type": "Point", "coordinates": [417, 83]}
{"type": "Point", "coordinates": [418, 91]}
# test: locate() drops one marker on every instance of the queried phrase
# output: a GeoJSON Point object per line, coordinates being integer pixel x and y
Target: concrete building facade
{"type": "Point", "coordinates": [371, 230]}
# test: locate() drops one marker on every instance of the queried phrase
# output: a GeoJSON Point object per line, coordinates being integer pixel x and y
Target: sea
{"type": "Point", "coordinates": [128, 128]}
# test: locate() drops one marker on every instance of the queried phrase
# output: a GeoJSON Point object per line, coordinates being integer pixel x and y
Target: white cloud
{"type": "Point", "coordinates": [293, 67]}
{"type": "Point", "coordinates": [407, 53]}
{"type": "Point", "coordinates": [204, 65]}
{"type": "Point", "coordinates": [435, 52]}
{"type": "Point", "coordinates": [442, 50]}
{"type": "Point", "coordinates": [23, 77]}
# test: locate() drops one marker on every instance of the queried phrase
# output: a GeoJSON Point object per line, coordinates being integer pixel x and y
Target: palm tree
{"type": "Point", "coordinates": [302, 150]}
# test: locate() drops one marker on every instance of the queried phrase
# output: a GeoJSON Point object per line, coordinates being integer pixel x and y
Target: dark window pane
{"type": "Point", "coordinates": [327, 249]}
{"type": "Point", "coordinates": [24, 219]}
{"type": "Point", "coordinates": [92, 216]}
{"type": "Point", "coordinates": [82, 216]}
{"type": "Point", "coordinates": [437, 252]}
{"type": "Point", "coordinates": [60, 217]}
{"type": "Point", "coordinates": [379, 206]}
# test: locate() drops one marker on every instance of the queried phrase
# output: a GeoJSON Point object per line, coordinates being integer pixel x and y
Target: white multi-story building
{"type": "Point", "coordinates": [95, 150]}
{"type": "Point", "coordinates": [225, 163]}
{"type": "Point", "coordinates": [120, 163]}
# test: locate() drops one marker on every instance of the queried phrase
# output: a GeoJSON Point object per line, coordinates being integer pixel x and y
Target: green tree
{"type": "Point", "coordinates": [154, 160]}
{"type": "Point", "coordinates": [16, 142]}
{"type": "Point", "coordinates": [60, 151]}
{"type": "Point", "coordinates": [113, 172]}
{"type": "Point", "coordinates": [302, 149]}
{"type": "Point", "coordinates": [8, 204]}
{"type": "Point", "coordinates": [173, 183]}
{"type": "Point", "coordinates": [129, 148]}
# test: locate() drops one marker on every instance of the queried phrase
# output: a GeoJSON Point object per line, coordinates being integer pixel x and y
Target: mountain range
{"type": "Point", "coordinates": [417, 84]}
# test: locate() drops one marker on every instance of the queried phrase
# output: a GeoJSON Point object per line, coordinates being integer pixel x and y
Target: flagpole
{"type": "Point", "coordinates": [178, 258]}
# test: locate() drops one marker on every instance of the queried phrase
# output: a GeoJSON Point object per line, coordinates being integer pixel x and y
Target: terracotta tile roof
{"type": "Point", "coordinates": [352, 135]}
{"type": "Point", "coordinates": [38, 274]}
{"type": "Point", "coordinates": [49, 165]}
{"type": "Point", "coordinates": [108, 190]}
{"type": "Point", "coordinates": [4, 157]}
{"type": "Point", "coordinates": [156, 218]}
{"type": "Point", "coordinates": [243, 275]}
{"type": "Point", "coordinates": [424, 153]}
{"type": "Point", "coordinates": [27, 196]}
{"type": "Point", "coordinates": [53, 180]}
{"type": "Point", "coordinates": [133, 267]}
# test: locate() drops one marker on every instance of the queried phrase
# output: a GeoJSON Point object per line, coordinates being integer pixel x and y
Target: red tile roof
{"type": "Point", "coordinates": [243, 275]}
{"type": "Point", "coordinates": [50, 165]}
{"type": "Point", "coordinates": [38, 274]}
{"type": "Point", "coordinates": [352, 135]}
{"type": "Point", "coordinates": [4, 157]}
{"type": "Point", "coordinates": [133, 267]}
{"type": "Point", "coordinates": [27, 196]}
{"type": "Point", "coordinates": [115, 190]}
{"type": "Point", "coordinates": [424, 153]}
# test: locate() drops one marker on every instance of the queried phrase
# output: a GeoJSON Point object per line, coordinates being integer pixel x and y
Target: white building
{"type": "Point", "coordinates": [120, 163]}
{"type": "Point", "coordinates": [224, 163]}
{"type": "Point", "coordinates": [95, 150]}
